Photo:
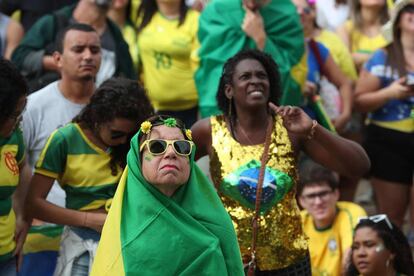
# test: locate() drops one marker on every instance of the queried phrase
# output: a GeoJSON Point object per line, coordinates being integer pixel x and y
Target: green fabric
{"type": "Point", "coordinates": [44, 32]}
{"type": "Point", "coordinates": [187, 234]}
{"type": "Point", "coordinates": [321, 116]}
{"type": "Point", "coordinates": [78, 197]}
{"type": "Point", "coordinates": [221, 37]}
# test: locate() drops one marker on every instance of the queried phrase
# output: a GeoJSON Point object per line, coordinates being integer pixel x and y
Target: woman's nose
{"type": "Point", "coordinates": [169, 152]}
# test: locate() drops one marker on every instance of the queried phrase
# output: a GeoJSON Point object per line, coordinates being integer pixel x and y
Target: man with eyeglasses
{"type": "Point", "coordinates": [328, 223]}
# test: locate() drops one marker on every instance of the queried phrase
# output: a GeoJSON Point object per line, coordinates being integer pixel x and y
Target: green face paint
{"type": "Point", "coordinates": [148, 157]}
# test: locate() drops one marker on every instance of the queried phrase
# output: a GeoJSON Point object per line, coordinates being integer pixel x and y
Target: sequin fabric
{"type": "Point", "coordinates": [281, 241]}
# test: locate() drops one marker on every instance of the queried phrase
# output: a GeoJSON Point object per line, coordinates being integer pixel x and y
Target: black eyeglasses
{"type": "Point", "coordinates": [377, 219]}
{"type": "Point", "coordinates": [323, 195]}
{"type": "Point", "coordinates": [159, 146]}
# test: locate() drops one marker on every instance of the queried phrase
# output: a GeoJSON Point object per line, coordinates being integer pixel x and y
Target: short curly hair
{"type": "Point", "coordinates": [229, 68]}
{"type": "Point", "coordinates": [116, 98]}
{"type": "Point", "coordinates": [13, 87]}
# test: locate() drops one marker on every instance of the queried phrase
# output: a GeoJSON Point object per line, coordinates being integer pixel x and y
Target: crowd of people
{"type": "Point", "coordinates": [108, 107]}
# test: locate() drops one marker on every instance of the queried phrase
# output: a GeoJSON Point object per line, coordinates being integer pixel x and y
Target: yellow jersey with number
{"type": "Point", "coordinates": [165, 48]}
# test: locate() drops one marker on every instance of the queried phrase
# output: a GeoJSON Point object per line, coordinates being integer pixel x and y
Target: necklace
{"type": "Point", "coordinates": [244, 133]}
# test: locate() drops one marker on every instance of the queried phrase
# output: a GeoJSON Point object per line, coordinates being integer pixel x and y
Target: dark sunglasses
{"type": "Point", "coordinates": [159, 146]}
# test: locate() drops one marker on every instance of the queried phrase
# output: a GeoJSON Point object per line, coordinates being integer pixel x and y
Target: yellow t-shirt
{"type": "Point", "coordinates": [327, 247]}
{"type": "Point", "coordinates": [360, 43]}
{"type": "Point", "coordinates": [339, 52]}
{"type": "Point", "coordinates": [11, 155]}
{"type": "Point", "coordinates": [165, 49]}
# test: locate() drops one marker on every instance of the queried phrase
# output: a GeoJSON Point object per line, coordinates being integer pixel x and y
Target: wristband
{"type": "Point", "coordinates": [312, 130]}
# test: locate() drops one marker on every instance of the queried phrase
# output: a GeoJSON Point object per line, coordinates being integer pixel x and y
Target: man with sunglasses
{"type": "Point", "coordinates": [328, 223]}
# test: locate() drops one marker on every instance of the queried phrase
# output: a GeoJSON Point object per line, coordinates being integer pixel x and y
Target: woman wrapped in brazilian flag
{"type": "Point", "coordinates": [166, 218]}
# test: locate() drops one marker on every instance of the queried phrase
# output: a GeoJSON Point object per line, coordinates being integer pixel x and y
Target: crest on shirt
{"type": "Point", "coordinates": [332, 246]}
{"type": "Point", "coordinates": [11, 163]}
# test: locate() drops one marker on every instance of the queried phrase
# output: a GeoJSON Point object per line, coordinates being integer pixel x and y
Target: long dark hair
{"type": "Point", "coordinates": [356, 15]}
{"type": "Point", "coordinates": [395, 241]}
{"type": "Point", "coordinates": [12, 87]}
{"type": "Point", "coordinates": [116, 98]}
{"type": "Point", "coordinates": [226, 78]}
{"type": "Point", "coordinates": [148, 8]}
{"type": "Point", "coordinates": [395, 52]}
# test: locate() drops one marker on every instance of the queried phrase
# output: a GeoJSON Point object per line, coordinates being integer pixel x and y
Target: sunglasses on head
{"type": "Point", "coordinates": [159, 146]}
{"type": "Point", "coordinates": [378, 219]}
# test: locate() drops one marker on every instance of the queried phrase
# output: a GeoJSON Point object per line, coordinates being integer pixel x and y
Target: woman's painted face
{"type": "Point", "coordinates": [250, 84]}
{"type": "Point", "coordinates": [369, 254]}
{"type": "Point", "coordinates": [167, 171]}
{"type": "Point", "coordinates": [11, 121]}
{"type": "Point", "coordinates": [117, 131]}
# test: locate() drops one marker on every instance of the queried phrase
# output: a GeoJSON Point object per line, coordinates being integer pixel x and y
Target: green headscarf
{"type": "Point", "coordinates": [189, 233]}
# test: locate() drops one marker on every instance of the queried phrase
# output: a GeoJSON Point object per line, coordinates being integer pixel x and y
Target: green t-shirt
{"type": "Point", "coordinates": [81, 168]}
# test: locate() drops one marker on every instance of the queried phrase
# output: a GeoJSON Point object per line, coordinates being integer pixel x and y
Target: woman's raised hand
{"type": "Point", "coordinates": [294, 118]}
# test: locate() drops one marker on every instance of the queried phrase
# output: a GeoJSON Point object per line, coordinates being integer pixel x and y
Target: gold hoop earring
{"type": "Point", "coordinates": [387, 263]}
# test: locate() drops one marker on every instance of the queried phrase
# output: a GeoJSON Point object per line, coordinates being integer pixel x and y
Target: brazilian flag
{"type": "Point", "coordinates": [148, 233]}
{"type": "Point", "coordinates": [221, 37]}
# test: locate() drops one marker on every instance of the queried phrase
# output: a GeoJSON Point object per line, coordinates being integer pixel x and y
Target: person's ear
{"type": "Point", "coordinates": [57, 57]}
{"type": "Point", "coordinates": [336, 194]}
{"type": "Point", "coordinates": [302, 202]}
{"type": "Point", "coordinates": [228, 91]}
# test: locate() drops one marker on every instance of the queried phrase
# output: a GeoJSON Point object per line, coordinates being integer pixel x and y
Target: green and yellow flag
{"type": "Point", "coordinates": [148, 233]}
{"type": "Point", "coordinates": [221, 37]}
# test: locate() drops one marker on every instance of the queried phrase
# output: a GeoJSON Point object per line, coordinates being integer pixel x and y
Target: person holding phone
{"type": "Point", "coordinates": [383, 91]}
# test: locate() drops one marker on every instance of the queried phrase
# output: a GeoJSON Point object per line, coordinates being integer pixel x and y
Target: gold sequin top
{"type": "Point", "coordinates": [234, 168]}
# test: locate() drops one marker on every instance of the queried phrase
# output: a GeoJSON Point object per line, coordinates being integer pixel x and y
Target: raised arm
{"type": "Point", "coordinates": [336, 153]}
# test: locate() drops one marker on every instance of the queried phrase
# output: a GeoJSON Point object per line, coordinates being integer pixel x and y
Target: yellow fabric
{"type": "Point", "coordinates": [281, 241]}
{"type": "Point", "coordinates": [406, 125]}
{"type": "Point", "coordinates": [108, 258]}
{"type": "Point", "coordinates": [85, 168]}
{"type": "Point", "coordinates": [327, 247]}
{"type": "Point", "coordinates": [339, 52]}
{"type": "Point", "coordinates": [362, 43]}
{"type": "Point", "coordinates": [37, 242]}
{"type": "Point", "coordinates": [164, 52]}
{"type": "Point", "coordinates": [11, 156]}
{"type": "Point", "coordinates": [9, 166]}
{"type": "Point", "coordinates": [7, 226]}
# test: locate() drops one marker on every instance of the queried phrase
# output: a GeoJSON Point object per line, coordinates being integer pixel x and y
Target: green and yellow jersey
{"type": "Point", "coordinates": [81, 168]}
{"type": "Point", "coordinates": [11, 155]}
{"type": "Point", "coordinates": [328, 246]}
{"type": "Point", "coordinates": [164, 52]}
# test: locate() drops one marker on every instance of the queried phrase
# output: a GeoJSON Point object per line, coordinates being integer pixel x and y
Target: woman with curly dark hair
{"type": "Point", "coordinates": [379, 249]}
{"type": "Point", "coordinates": [87, 157]}
{"type": "Point", "coordinates": [13, 228]}
{"type": "Point", "coordinates": [255, 141]}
